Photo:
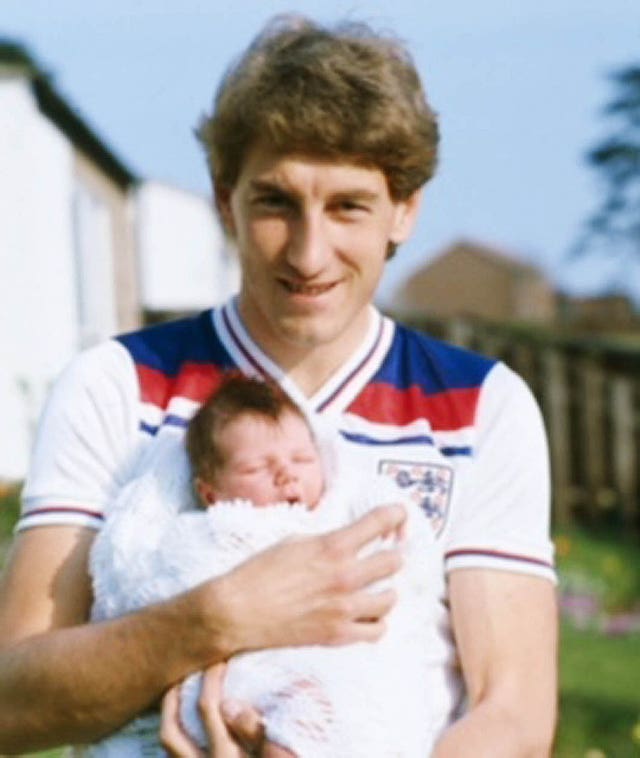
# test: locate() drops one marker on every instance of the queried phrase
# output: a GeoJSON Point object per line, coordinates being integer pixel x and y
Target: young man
{"type": "Point", "coordinates": [319, 144]}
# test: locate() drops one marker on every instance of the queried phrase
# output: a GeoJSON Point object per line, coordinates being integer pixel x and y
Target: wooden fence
{"type": "Point", "coordinates": [589, 392]}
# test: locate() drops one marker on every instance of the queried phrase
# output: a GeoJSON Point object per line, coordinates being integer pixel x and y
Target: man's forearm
{"type": "Point", "coordinates": [79, 683]}
{"type": "Point", "coordinates": [508, 653]}
{"type": "Point", "coordinates": [489, 731]}
{"type": "Point", "coordinates": [62, 680]}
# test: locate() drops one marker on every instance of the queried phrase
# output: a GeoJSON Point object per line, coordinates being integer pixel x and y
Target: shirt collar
{"type": "Point", "coordinates": [338, 391]}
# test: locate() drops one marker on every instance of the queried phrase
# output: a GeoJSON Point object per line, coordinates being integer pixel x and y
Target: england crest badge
{"type": "Point", "coordinates": [428, 485]}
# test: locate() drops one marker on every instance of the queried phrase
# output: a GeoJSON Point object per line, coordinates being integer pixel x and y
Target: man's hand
{"type": "Point", "coordinates": [234, 729]}
{"type": "Point", "coordinates": [173, 737]}
{"type": "Point", "coordinates": [63, 680]}
{"type": "Point", "coordinates": [313, 590]}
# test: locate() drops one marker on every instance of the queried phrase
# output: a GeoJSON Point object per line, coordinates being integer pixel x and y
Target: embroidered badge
{"type": "Point", "coordinates": [426, 484]}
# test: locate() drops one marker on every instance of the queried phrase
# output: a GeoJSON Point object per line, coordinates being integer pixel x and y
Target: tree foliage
{"type": "Point", "coordinates": [615, 225]}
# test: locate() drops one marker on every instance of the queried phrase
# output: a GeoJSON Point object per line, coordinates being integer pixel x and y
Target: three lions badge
{"type": "Point", "coordinates": [428, 485]}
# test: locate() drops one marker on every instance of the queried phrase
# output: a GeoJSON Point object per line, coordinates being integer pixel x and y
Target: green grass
{"type": "Point", "coordinates": [599, 694]}
{"type": "Point", "coordinates": [599, 673]}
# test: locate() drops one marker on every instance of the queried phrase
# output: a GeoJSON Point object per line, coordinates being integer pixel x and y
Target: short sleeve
{"type": "Point", "coordinates": [85, 442]}
{"type": "Point", "coordinates": [502, 514]}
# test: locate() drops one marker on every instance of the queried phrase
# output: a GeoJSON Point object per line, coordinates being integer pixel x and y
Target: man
{"type": "Point", "coordinates": [319, 144]}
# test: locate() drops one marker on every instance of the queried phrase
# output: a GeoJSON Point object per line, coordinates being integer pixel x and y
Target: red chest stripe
{"type": "Point", "coordinates": [445, 411]}
{"type": "Point", "coordinates": [196, 381]}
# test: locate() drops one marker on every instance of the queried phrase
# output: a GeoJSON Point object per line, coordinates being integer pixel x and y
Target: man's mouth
{"type": "Point", "coordinates": [312, 290]}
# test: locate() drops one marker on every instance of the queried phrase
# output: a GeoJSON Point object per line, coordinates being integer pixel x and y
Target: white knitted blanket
{"type": "Point", "coordinates": [365, 700]}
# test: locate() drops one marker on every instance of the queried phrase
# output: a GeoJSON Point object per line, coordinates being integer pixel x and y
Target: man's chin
{"type": "Point", "coordinates": [308, 336]}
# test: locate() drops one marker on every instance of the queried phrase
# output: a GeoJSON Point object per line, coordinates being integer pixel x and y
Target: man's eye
{"type": "Point", "coordinates": [351, 207]}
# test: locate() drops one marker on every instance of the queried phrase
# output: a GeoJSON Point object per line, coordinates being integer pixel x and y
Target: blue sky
{"type": "Point", "coordinates": [518, 86]}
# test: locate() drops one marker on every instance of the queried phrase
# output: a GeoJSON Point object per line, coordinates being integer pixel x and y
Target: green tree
{"type": "Point", "coordinates": [614, 227]}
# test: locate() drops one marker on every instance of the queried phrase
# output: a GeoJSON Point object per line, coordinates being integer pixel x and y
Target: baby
{"type": "Point", "coordinates": [251, 441]}
{"type": "Point", "coordinates": [255, 464]}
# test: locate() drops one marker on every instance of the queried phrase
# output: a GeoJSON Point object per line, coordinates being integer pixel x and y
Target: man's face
{"type": "Point", "coordinates": [312, 237]}
{"type": "Point", "coordinates": [268, 462]}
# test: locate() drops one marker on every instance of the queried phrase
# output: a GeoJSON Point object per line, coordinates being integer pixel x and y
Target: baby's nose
{"type": "Point", "coordinates": [285, 474]}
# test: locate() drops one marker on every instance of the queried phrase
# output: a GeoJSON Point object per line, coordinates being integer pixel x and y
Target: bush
{"type": "Point", "coordinates": [602, 565]}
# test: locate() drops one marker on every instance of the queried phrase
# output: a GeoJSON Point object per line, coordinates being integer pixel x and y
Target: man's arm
{"type": "Point", "coordinates": [505, 625]}
{"type": "Point", "coordinates": [62, 680]}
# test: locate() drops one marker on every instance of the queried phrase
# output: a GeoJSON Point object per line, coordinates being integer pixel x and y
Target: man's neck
{"type": "Point", "coordinates": [311, 366]}
{"type": "Point", "coordinates": [310, 369]}
{"type": "Point", "coordinates": [310, 372]}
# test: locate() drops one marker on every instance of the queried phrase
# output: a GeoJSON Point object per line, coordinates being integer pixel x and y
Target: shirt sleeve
{"type": "Point", "coordinates": [85, 442]}
{"type": "Point", "coordinates": [502, 515]}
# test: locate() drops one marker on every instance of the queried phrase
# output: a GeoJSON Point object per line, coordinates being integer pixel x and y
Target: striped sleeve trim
{"type": "Point", "coordinates": [52, 515]}
{"type": "Point", "coordinates": [489, 558]}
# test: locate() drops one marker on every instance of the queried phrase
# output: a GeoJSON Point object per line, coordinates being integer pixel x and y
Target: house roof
{"type": "Point", "coordinates": [15, 58]}
{"type": "Point", "coordinates": [493, 255]}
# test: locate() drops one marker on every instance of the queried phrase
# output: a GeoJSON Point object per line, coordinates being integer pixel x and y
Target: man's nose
{"type": "Point", "coordinates": [309, 246]}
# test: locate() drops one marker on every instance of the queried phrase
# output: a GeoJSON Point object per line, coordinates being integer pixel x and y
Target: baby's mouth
{"type": "Point", "coordinates": [292, 496]}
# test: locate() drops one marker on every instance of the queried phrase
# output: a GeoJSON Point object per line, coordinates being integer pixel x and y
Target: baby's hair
{"type": "Point", "coordinates": [237, 396]}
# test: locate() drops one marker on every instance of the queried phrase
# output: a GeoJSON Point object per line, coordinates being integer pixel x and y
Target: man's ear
{"type": "Point", "coordinates": [406, 215]}
{"type": "Point", "coordinates": [205, 490]}
{"type": "Point", "coordinates": [222, 196]}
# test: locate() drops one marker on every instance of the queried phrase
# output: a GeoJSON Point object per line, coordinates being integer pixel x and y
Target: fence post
{"type": "Point", "coordinates": [555, 407]}
{"type": "Point", "coordinates": [489, 343]}
{"type": "Point", "coordinates": [624, 450]}
{"type": "Point", "coordinates": [593, 432]}
{"type": "Point", "coordinates": [459, 331]}
{"type": "Point", "coordinates": [524, 362]}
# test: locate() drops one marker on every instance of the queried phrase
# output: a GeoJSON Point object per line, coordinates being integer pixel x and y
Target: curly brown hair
{"type": "Point", "coordinates": [345, 93]}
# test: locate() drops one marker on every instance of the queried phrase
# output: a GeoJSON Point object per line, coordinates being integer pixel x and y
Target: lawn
{"type": "Point", "coordinates": [599, 695]}
{"type": "Point", "coordinates": [600, 654]}
{"type": "Point", "coordinates": [599, 575]}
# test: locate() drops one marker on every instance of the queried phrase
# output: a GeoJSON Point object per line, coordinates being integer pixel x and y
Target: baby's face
{"type": "Point", "coordinates": [269, 462]}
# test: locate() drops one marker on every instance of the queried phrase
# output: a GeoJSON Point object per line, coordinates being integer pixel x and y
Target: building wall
{"type": "Point", "coordinates": [458, 283]}
{"type": "Point", "coordinates": [75, 250]}
{"type": "Point", "coordinates": [123, 265]}
{"type": "Point", "coordinates": [534, 298]}
{"type": "Point", "coordinates": [184, 259]}
{"type": "Point", "coordinates": [466, 281]}
{"type": "Point", "coordinates": [37, 305]}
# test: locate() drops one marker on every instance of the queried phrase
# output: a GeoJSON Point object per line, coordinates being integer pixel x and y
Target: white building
{"type": "Point", "coordinates": [176, 236]}
{"type": "Point", "coordinates": [86, 249]}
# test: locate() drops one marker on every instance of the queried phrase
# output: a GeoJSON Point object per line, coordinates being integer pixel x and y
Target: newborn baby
{"type": "Point", "coordinates": [259, 476]}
